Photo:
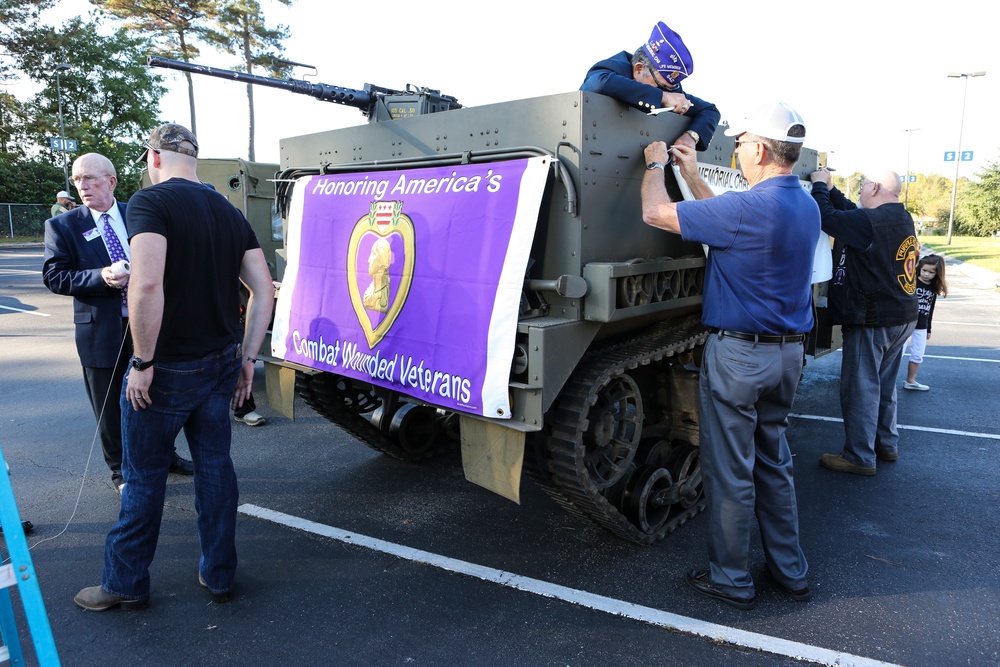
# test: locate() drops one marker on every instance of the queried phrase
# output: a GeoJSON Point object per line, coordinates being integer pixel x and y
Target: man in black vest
{"type": "Point", "coordinates": [873, 296]}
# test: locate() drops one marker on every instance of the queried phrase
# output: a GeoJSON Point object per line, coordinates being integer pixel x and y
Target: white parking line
{"type": "Point", "coordinates": [712, 631]}
{"type": "Point", "coordinates": [940, 356]}
{"type": "Point", "coordinates": [928, 429]}
{"type": "Point", "coordinates": [29, 312]}
{"type": "Point", "coordinates": [967, 324]}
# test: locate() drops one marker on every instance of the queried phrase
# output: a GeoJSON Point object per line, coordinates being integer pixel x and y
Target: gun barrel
{"type": "Point", "coordinates": [360, 99]}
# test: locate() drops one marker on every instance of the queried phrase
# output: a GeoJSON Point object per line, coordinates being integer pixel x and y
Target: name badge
{"type": "Point", "coordinates": [92, 234]}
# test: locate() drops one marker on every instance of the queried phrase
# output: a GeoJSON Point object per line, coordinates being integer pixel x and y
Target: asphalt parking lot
{"type": "Point", "coordinates": [350, 558]}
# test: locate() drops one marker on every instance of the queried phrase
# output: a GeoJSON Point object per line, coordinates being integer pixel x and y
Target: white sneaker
{"type": "Point", "coordinates": [252, 419]}
{"type": "Point", "coordinates": [915, 386]}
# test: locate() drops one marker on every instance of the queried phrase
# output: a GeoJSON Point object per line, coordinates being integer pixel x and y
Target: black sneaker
{"type": "Point", "coordinates": [26, 526]}
{"type": "Point", "coordinates": [803, 594]}
{"type": "Point", "coordinates": [181, 466]}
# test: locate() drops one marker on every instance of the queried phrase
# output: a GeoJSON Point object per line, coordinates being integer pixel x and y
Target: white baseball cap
{"type": "Point", "coordinates": [773, 120]}
{"type": "Point", "coordinates": [63, 193]}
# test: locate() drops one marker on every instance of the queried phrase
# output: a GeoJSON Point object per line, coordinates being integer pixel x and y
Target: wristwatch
{"type": "Point", "coordinates": [655, 165]}
{"type": "Point", "coordinates": [140, 365]}
{"type": "Point", "coordinates": [694, 135]}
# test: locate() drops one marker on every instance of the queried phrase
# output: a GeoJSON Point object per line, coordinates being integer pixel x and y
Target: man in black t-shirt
{"type": "Point", "coordinates": [189, 247]}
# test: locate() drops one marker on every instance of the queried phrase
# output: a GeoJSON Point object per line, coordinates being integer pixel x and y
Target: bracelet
{"type": "Point", "coordinates": [252, 360]}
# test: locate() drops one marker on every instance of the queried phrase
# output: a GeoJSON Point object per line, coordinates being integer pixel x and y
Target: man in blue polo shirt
{"type": "Point", "coordinates": [758, 305]}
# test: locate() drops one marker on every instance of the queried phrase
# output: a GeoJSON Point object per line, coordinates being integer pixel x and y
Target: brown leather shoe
{"type": "Point", "coordinates": [96, 598]}
{"type": "Point", "coordinates": [886, 455]}
{"type": "Point", "coordinates": [840, 464]}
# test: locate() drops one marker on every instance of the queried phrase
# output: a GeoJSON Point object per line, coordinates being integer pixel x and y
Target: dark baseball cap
{"type": "Point", "coordinates": [169, 137]}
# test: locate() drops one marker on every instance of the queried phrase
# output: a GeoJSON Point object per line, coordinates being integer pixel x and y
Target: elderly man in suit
{"type": "Point", "coordinates": [80, 248]}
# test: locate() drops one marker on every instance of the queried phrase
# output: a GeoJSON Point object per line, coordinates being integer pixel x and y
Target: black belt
{"type": "Point", "coordinates": [761, 338]}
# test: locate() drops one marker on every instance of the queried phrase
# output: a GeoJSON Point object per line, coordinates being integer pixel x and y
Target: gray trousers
{"type": "Point", "coordinates": [871, 358]}
{"type": "Point", "coordinates": [746, 393]}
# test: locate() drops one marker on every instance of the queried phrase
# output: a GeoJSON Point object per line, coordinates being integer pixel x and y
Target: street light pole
{"type": "Point", "coordinates": [906, 197]}
{"type": "Point", "coordinates": [61, 67]}
{"type": "Point", "coordinates": [958, 154]}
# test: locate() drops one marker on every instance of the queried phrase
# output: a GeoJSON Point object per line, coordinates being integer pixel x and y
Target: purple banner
{"type": "Point", "coordinates": [411, 279]}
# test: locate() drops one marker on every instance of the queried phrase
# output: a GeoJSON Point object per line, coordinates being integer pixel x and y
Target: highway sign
{"type": "Point", "coordinates": [949, 156]}
{"type": "Point", "coordinates": [56, 144]}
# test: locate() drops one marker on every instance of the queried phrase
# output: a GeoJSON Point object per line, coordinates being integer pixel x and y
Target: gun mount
{"type": "Point", "coordinates": [375, 102]}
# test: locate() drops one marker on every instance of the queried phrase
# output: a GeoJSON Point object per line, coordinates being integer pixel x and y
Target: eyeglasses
{"type": "Point", "coordinates": [149, 146]}
{"type": "Point", "coordinates": [740, 143]}
{"type": "Point", "coordinates": [86, 178]}
{"type": "Point", "coordinates": [666, 86]}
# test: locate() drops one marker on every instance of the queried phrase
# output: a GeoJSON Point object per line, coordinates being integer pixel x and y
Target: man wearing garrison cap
{"type": "Point", "coordinates": [651, 78]}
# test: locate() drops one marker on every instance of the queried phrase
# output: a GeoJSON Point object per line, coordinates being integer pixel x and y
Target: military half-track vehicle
{"type": "Point", "coordinates": [601, 347]}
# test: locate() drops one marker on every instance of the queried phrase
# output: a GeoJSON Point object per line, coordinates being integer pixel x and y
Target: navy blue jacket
{"type": "Point", "coordinates": [72, 266]}
{"type": "Point", "coordinates": [613, 77]}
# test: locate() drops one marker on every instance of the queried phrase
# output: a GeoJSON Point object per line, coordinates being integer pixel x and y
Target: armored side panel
{"type": "Point", "coordinates": [250, 188]}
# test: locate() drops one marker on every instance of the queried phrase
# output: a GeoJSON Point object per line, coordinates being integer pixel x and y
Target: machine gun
{"type": "Point", "coordinates": [376, 103]}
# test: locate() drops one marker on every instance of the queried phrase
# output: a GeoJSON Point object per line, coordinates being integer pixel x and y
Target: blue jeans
{"type": "Point", "coordinates": [871, 358]}
{"type": "Point", "coordinates": [193, 395]}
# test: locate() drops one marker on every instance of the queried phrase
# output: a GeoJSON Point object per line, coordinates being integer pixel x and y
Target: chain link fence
{"type": "Point", "coordinates": [23, 221]}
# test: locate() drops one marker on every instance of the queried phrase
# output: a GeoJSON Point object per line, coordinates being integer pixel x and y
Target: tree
{"type": "Point", "coordinates": [176, 22]}
{"type": "Point", "coordinates": [240, 28]}
{"type": "Point", "coordinates": [849, 185]}
{"type": "Point", "coordinates": [979, 203]}
{"type": "Point", "coordinates": [930, 196]}
{"type": "Point", "coordinates": [18, 12]}
{"type": "Point", "coordinates": [24, 181]}
{"type": "Point", "coordinates": [110, 98]}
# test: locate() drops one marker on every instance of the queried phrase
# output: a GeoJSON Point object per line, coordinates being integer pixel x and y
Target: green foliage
{"type": "Point", "coordinates": [18, 12]}
{"type": "Point", "coordinates": [240, 28]}
{"type": "Point", "coordinates": [24, 181]}
{"type": "Point", "coordinates": [173, 24]}
{"type": "Point", "coordinates": [978, 250]}
{"type": "Point", "coordinates": [849, 185]}
{"type": "Point", "coordinates": [930, 197]}
{"type": "Point", "coordinates": [109, 97]}
{"type": "Point", "coordinates": [979, 203]}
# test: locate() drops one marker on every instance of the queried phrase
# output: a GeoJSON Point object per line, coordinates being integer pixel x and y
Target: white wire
{"type": "Point", "coordinates": [90, 456]}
